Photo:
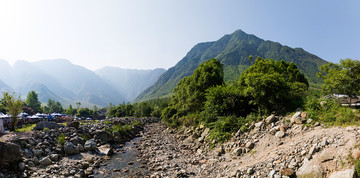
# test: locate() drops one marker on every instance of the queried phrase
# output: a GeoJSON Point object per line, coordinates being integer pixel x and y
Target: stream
{"type": "Point", "coordinates": [125, 163]}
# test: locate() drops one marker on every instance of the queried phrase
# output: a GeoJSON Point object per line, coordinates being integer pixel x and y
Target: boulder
{"type": "Point", "coordinates": [274, 130]}
{"type": "Point", "coordinates": [77, 140]}
{"type": "Point", "coordinates": [237, 151]}
{"type": "Point", "coordinates": [106, 150]}
{"type": "Point", "coordinates": [70, 148]}
{"type": "Point", "coordinates": [279, 134]}
{"type": "Point", "coordinates": [75, 124]}
{"type": "Point", "coordinates": [47, 124]}
{"type": "Point", "coordinates": [103, 136]}
{"type": "Point", "coordinates": [304, 115]}
{"type": "Point", "coordinates": [9, 152]}
{"type": "Point", "coordinates": [45, 161]}
{"type": "Point", "coordinates": [90, 145]}
{"type": "Point", "coordinates": [310, 169]}
{"type": "Point", "coordinates": [270, 119]}
{"type": "Point", "coordinates": [299, 120]}
{"type": "Point", "coordinates": [249, 145]}
{"type": "Point", "coordinates": [296, 115]}
{"type": "Point", "coordinates": [259, 124]}
{"type": "Point", "coordinates": [347, 173]}
{"type": "Point", "coordinates": [326, 156]}
{"type": "Point", "coordinates": [37, 152]}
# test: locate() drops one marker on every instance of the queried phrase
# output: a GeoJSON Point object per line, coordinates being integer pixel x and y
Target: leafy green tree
{"type": "Point", "coordinates": [85, 113]}
{"type": "Point", "coordinates": [189, 95]}
{"type": "Point", "coordinates": [13, 107]}
{"type": "Point", "coordinates": [32, 101]}
{"type": "Point", "coordinates": [225, 100]}
{"type": "Point", "coordinates": [343, 78]}
{"type": "Point", "coordinates": [273, 85]}
{"type": "Point", "coordinates": [142, 109]}
{"type": "Point", "coordinates": [52, 107]}
{"type": "Point", "coordinates": [70, 111]}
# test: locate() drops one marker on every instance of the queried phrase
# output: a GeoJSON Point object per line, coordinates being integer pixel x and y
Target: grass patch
{"type": "Point", "coordinates": [26, 128]}
{"type": "Point", "coordinates": [61, 139]}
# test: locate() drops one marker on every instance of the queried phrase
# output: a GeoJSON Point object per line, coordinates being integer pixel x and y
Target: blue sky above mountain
{"type": "Point", "coordinates": [145, 34]}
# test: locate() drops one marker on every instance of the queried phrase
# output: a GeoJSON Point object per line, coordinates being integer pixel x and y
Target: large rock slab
{"type": "Point", "coordinates": [9, 152]}
{"type": "Point", "coordinates": [47, 124]}
{"type": "Point", "coordinates": [348, 173]}
{"type": "Point", "coordinates": [103, 136]}
{"type": "Point", "coordinates": [75, 124]}
{"type": "Point", "coordinates": [310, 169]}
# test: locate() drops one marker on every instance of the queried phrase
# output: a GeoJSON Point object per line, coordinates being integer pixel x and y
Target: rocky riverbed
{"type": "Point", "coordinates": [276, 147]}
{"type": "Point", "coordinates": [75, 150]}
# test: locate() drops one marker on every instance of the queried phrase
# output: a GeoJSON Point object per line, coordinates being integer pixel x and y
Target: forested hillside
{"type": "Point", "coordinates": [233, 51]}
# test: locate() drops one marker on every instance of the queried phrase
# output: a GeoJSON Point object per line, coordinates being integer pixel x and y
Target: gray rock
{"type": "Point", "coordinates": [270, 119]}
{"type": "Point", "coordinates": [90, 145]}
{"type": "Point", "coordinates": [219, 151]}
{"type": "Point", "coordinates": [47, 124]}
{"type": "Point", "coordinates": [74, 124]}
{"type": "Point", "coordinates": [250, 171]}
{"type": "Point", "coordinates": [106, 150]}
{"type": "Point", "coordinates": [237, 151]}
{"type": "Point", "coordinates": [45, 161]}
{"type": "Point", "coordinates": [309, 121]}
{"type": "Point", "coordinates": [296, 115]}
{"type": "Point", "coordinates": [54, 157]}
{"type": "Point", "coordinates": [326, 156]}
{"type": "Point", "coordinates": [347, 173]}
{"type": "Point", "coordinates": [249, 145]}
{"type": "Point", "coordinates": [70, 148]}
{"type": "Point", "coordinates": [324, 143]}
{"type": "Point", "coordinates": [9, 152]}
{"type": "Point", "coordinates": [272, 173]}
{"type": "Point", "coordinates": [103, 136]}
{"type": "Point", "coordinates": [259, 124]}
{"type": "Point", "coordinates": [280, 134]}
{"type": "Point", "coordinates": [80, 147]}
{"type": "Point", "coordinates": [77, 140]}
{"type": "Point", "coordinates": [298, 120]}
{"type": "Point", "coordinates": [274, 130]}
{"type": "Point", "coordinates": [310, 169]}
{"type": "Point", "coordinates": [313, 149]}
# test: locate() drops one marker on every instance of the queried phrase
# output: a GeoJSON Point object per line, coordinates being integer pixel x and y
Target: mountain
{"type": "Point", "coordinates": [233, 51]}
{"type": "Point", "coordinates": [129, 82]}
{"type": "Point", "coordinates": [62, 81]}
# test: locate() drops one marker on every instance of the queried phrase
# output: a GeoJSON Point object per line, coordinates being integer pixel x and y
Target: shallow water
{"type": "Point", "coordinates": [118, 165]}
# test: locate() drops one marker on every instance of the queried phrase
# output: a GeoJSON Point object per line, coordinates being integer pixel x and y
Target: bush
{"type": "Point", "coordinates": [61, 139]}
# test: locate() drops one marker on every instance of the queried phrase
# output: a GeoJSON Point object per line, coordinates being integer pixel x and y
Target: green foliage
{"type": "Point", "coordinates": [142, 109]}
{"type": "Point", "coordinates": [274, 85]}
{"type": "Point", "coordinates": [357, 167]}
{"type": "Point", "coordinates": [13, 106]}
{"type": "Point", "coordinates": [225, 100]}
{"type": "Point", "coordinates": [46, 129]}
{"type": "Point", "coordinates": [189, 95]}
{"type": "Point", "coordinates": [53, 106]}
{"type": "Point", "coordinates": [85, 113]}
{"type": "Point", "coordinates": [70, 111]}
{"type": "Point", "coordinates": [343, 78]}
{"type": "Point", "coordinates": [61, 139]}
{"type": "Point", "coordinates": [125, 129]}
{"type": "Point", "coordinates": [26, 128]}
{"type": "Point", "coordinates": [33, 102]}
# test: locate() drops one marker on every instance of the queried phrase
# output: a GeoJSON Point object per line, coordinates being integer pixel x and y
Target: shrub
{"type": "Point", "coordinates": [61, 139]}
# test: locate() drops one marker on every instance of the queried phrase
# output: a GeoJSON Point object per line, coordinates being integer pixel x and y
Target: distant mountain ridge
{"type": "Point", "coordinates": [233, 51]}
{"type": "Point", "coordinates": [62, 81]}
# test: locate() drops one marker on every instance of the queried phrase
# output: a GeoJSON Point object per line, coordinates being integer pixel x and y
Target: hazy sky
{"type": "Point", "coordinates": [146, 34]}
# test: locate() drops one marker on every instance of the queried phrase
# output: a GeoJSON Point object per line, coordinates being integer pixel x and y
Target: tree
{"type": "Point", "coordinates": [189, 94]}
{"type": "Point", "coordinates": [33, 102]}
{"type": "Point", "coordinates": [273, 85]}
{"type": "Point", "coordinates": [14, 108]}
{"type": "Point", "coordinates": [78, 104]}
{"type": "Point", "coordinates": [343, 78]}
{"type": "Point", "coordinates": [70, 111]}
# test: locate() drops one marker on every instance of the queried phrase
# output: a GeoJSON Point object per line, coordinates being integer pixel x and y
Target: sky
{"type": "Point", "coordinates": [144, 34]}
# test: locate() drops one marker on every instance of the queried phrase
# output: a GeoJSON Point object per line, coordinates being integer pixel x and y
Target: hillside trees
{"type": "Point", "coordinates": [189, 94]}
{"type": "Point", "coordinates": [343, 78]}
{"type": "Point", "coordinates": [267, 86]}
{"type": "Point", "coordinates": [32, 101]}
